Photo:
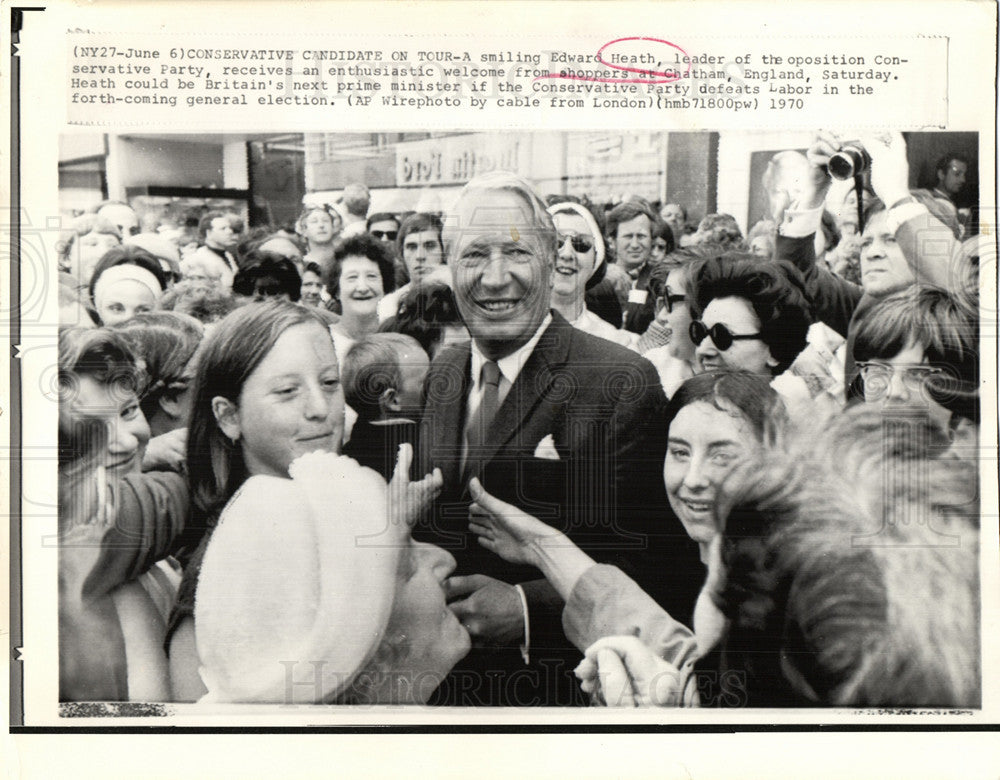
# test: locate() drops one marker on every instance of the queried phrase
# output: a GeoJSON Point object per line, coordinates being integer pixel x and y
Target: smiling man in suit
{"type": "Point", "coordinates": [565, 425]}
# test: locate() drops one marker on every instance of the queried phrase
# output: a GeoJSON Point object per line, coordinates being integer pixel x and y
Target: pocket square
{"type": "Point", "coordinates": [546, 449]}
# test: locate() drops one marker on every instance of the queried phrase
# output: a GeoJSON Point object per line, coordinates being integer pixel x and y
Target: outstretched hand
{"type": "Point", "coordinates": [489, 609]}
{"type": "Point", "coordinates": [504, 529]}
{"type": "Point", "coordinates": [817, 184]}
{"type": "Point", "coordinates": [409, 500]}
{"type": "Point", "coordinates": [621, 671]}
{"type": "Point", "coordinates": [166, 452]}
{"type": "Point", "coordinates": [890, 170]}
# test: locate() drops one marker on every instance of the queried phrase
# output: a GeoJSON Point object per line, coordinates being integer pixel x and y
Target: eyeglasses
{"type": "Point", "coordinates": [720, 334]}
{"type": "Point", "coordinates": [385, 235]}
{"type": "Point", "coordinates": [669, 300]}
{"type": "Point", "coordinates": [877, 376]}
{"type": "Point", "coordinates": [580, 243]}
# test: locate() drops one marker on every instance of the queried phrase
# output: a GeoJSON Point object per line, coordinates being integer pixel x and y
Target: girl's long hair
{"type": "Point", "coordinates": [227, 357]}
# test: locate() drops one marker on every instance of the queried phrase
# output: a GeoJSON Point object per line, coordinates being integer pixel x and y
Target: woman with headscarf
{"type": "Point", "coordinates": [126, 281]}
{"type": "Point", "coordinates": [580, 255]}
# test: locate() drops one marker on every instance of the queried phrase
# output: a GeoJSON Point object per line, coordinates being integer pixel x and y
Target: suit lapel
{"type": "Point", "coordinates": [531, 385]}
{"type": "Point", "coordinates": [445, 411]}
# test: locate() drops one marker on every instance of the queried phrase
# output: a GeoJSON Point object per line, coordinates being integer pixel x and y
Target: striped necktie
{"type": "Point", "coordinates": [479, 425]}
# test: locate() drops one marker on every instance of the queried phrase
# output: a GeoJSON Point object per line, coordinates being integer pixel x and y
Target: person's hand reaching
{"type": "Point", "coordinates": [621, 671]}
{"type": "Point", "coordinates": [890, 170]}
{"type": "Point", "coordinates": [489, 609]}
{"type": "Point", "coordinates": [86, 514]}
{"type": "Point", "coordinates": [504, 529]}
{"type": "Point", "coordinates": [409, 500]}
{"type": "Point", "coordinates": [166, 452]}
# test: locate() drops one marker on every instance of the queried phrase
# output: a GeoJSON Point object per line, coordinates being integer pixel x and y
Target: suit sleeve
{"type": "Point", "coordinates": [605, 602]}
{"type": "Point", "coordinates": [545, 608]}
{"type": "Point", "coordinates": [833, 299]}
{"type": "Point", "coordinates": [151, 512]}
{"type": "Point", "coordinates": [638, 316]}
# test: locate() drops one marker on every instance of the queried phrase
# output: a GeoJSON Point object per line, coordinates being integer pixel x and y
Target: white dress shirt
{"type": "Point", "coordinates": [510, 367]}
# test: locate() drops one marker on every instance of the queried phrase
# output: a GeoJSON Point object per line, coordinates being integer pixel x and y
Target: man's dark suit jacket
{"type": "Point", "coordinates": [377, 446]}
{"type": "Point", "coordinates": [602, 408]}
{"type": "Point", "coordinates": [638, 316]}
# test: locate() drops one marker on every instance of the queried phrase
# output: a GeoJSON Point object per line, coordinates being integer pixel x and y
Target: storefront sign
{"type": "Point", "coordinates": [456, 159]}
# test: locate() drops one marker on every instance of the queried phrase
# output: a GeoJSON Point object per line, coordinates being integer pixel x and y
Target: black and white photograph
{"type": "Point", "coordinates": [564, 419]}
{"type": "Point", "coordinates": [501, 389]}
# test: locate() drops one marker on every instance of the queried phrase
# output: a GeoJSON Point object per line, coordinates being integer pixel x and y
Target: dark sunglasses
{"type": "Point", "coordinates": [670, 300]}
{"type": "Point", "coordinates": [385, 235]}
{"type": "Point", "coordinates": [720, 334]}
{"type": "Point", "coordinates": [580, 243]}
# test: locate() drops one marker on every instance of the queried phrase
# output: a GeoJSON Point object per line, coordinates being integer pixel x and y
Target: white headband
{"type": "Point", "coordinates": [117, 273]}
{"type": "Point", "coordinates": [595, 231]}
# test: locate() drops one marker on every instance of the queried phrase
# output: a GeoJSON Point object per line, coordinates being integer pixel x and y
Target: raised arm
{"type": "Point", "coordinates": [600, 600]}
{"type": "Point", "coordinates": [517, 537]}
{"type": "Point", "coordinates": [150, 511]}
{"type": "Point", "coordinates": [90, 637]}
{"type": "Point", "coordinates": [929, 245]}
{"type": "Point", "coordinates": [798, 212]}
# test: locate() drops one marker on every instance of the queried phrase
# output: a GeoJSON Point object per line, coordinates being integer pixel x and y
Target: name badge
{"type": "Point", "coordinates": [637, 296]}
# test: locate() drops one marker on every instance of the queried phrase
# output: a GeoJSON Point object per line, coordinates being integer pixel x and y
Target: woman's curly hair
{"type": "Point", "coordinates": [775, 291]}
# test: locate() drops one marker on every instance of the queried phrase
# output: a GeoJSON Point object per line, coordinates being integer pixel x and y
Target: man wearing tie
{"type": "Point", "coordinates": [563, 424]}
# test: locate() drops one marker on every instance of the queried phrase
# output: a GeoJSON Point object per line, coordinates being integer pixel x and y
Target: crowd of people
{"type": "Point", "coordinates": [532, 451]}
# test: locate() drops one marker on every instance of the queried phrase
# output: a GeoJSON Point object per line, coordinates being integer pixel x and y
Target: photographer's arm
{"type": "Point", "coordinates": [833, 299]}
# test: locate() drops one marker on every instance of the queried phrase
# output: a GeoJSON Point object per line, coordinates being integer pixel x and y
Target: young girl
{"type": "Point", "coordinates": [112, 621]}
{"type": "Point", "coordinates": [716, 423]}
{"type": "Point", "coordinates": [268, 392]}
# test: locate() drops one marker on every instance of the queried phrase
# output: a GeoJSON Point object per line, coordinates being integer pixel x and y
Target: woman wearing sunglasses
{"type": "Point", "coordinates": [747, 315]}
{"type": "Point", "coordinates": [668, 284]}
{"type": "Point", "coordinates": [579, 256]}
